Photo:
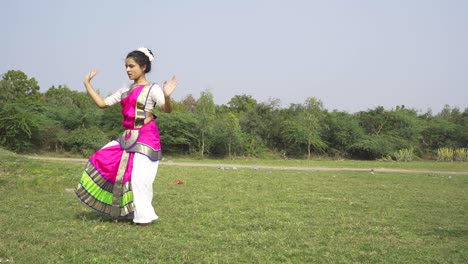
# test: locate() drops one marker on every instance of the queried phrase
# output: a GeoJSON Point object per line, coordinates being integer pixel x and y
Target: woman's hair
{"type": "Point", "coordinates": [142, 59]}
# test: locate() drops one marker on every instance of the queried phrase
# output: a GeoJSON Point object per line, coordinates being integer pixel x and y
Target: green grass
{"type": "Point", "coordinates": [238, 216]}
{"type": "Point", "coordinates": [416, 165]}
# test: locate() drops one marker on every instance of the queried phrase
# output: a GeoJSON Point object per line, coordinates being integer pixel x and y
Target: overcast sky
{"type": "Point", "coordinates": [352, 54]}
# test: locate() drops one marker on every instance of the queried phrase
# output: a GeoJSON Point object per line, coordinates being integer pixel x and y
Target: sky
{"type": "Point", "coordinates": [353, 55]}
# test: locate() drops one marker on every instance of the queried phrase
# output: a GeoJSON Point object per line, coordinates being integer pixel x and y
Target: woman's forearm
{"type": "Point", "coordinates": [94, 95]}
{"type": "Point", "coordinates": [167, 107]}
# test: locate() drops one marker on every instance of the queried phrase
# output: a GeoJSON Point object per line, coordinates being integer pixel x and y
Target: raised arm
{"type": "Point", "coordinates": [168, 89]}
{"type": "Point", "coordinates": [98, 100]}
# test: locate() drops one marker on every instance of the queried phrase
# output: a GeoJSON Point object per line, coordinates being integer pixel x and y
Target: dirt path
{"type": "Point", "coordinates": [255, 167]}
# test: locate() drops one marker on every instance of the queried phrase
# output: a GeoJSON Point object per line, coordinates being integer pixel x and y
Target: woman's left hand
{"type": "Point", "coordinates": [169, 87]}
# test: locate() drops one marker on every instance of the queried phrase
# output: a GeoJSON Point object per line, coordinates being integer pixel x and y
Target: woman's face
{"type": "Point", "coordinates": [134, 70]}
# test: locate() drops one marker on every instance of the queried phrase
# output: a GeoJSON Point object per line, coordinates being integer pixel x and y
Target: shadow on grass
{"type": "Point", "coordinates": [93, 216]}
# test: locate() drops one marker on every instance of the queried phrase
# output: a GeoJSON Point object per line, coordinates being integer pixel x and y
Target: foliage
{"type": "Point", "coordinates": [48, 136]}
{"type": "Point", "coordinates": [448, 129]}
{"type": "Point", "coordinates": [15, 85]}
{"type": "Point", "coordinates": [343, 130]}
{"type": "Point", "coordinates": [20, 108]}
{"type": "Point", "coordinates": [84, 140]}
{"type": "Point", "coordinates": [228, 134]}
{"type": "Point", "coordinates": [205, 113]}
{"type": "Point", "coordinates": [242, 128]}
{"type": "Point", "coordinates": [449, 154]}
{"type": "Point", "coordinates": [178, 132]}
{"type": "Point", "coordinates": [445, 154]}
{"type": "Point", "coordinates": [302, 127]}
{"type": "Point", "coordinates": [18, 125]}
{"type": "Point", "coordinates": [375, 147]}
{"type": "Point", "coordinates": [110, 120]}
{"type": "Point", "coordinates": [252, 145]}
{"type": "Point", "coordinates": [188, 104]}
{"type": "Point", "coordinates": [405, 124]}
{"type": "Point", "coordinates": [242, 103]}
{"type": "Point", "coordinates": [386, 132]}
{"type": "Point", "coordinates": [460, 154]}
{"type": "Point", "coordinates": [404, 155]}
{"type": "Point", "coordinates": [71, 108]}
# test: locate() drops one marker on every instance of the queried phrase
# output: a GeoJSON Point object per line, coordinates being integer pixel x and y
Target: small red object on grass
{"type": "Point", "coordinates": [179, 182]}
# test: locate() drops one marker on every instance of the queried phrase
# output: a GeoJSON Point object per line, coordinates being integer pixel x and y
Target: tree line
{"type": "Point", "coordinates": [64, 120]}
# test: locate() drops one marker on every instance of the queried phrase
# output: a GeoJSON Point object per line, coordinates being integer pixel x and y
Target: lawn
{"type": "Point", "coordinates": [329, 163]}
{"type": "Point", "coordinates": [238, 216]}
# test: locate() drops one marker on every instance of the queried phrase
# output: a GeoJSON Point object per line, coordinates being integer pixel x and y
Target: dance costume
{"type": "Point", "coordinates": [118, 178]}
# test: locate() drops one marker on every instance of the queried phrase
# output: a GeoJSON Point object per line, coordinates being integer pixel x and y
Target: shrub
{"type": "Point", "coordinates": [460, 154]}
{"type": "Point", "coordinates": [449, 154]}
{"type": "Point", "coordinates": [404, 155]}
{"type": "Point", "coordinates": [84, 140]}
{"type": "Point", "coordinates": [444, 154]}
{"type": "Point", "coordinates": [375, 147]}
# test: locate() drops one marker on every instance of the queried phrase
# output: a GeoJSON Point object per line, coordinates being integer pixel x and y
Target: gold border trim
{"type": "Point", "coordinates": [117, 190]}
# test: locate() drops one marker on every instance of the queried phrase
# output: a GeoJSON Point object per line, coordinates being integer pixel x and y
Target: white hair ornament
{"type": "Point", "coordinates": [147, 53]}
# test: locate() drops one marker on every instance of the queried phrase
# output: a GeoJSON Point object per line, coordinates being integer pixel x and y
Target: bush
{"type": "Point", "coordinates": [84, 140]}
{"type": "Point", "coordinates": [17, 127]}
{"type": "Point", "coordinates": [404, 155]}
{"type": "Point", "coordinates": [449, 154]}
{"type": "Point", "coordinates": [460, 154]}
{"type": "Point", "coordinates": [375, 147]}
{"type": "Point", "coordinates": [444, 154]}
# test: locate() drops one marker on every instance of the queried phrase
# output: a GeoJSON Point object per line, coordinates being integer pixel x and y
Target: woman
{"type": "Point", "coordinates": [118, 179]}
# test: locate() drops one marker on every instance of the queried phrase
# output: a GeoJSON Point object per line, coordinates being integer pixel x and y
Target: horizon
{"type": "Point", "coordinates": [282, 105]}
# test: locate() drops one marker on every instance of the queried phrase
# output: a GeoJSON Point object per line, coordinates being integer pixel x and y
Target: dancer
{"type": "Point", "coordinates": [118, 178]}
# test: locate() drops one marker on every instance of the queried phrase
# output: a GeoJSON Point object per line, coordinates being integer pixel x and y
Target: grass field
{"type": "Point", "coordinates": [414, 165]}
{"type": "Point", "coordinates": [241, 216]}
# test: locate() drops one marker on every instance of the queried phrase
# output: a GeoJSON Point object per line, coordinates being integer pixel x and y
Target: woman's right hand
{"type": "Point", "coordinates": [90, 75]}
{"type": "Point", "coordinates": [100, 102]}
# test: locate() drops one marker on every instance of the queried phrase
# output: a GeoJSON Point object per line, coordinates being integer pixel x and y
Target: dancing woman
{"type": "Point", "coordinates": [118, 178]}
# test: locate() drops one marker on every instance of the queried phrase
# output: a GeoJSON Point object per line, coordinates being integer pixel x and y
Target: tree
{"type": "Point", "coordinates": [230, 130]}
{"type": "Point", "coordinates": [84, 140]}
{"type": "Point", "coordinates": [264, 124]}
{"type": "Point", "coordinates": [17, 126]}
{"type": "Point", "coordinates": [387, 132]}
{"type": "Point", "coordinates": [178, 131]}
{"type": "Point", "coordinates": [205, 113]}
{"type": "Point", "coordinates": [404, 124]}
{"type": "Point", "coordinates": [313, 115]}
{"type": "Point", "coordinates": [343, 130]}
{"type": "Point", "coordinates": [373, 121]}
{"type": "Point", "coordinates": [61, 106]}
{"type": "Point", "coordinates": [264, 119]}
{"type": "Point", "coordinates": [72, 118]}
{"type": "Point", "coordinates": [462, 135]}
{"type": "Point", "coordinates": [459, 121]}
{"type": "Point", "coordinates": [15, 86]}
{"type": "Point", "coordinates": [242, 103]}
{"type": "Point", "coordinates": [449, 128]}
{"type": "Point", "coordinates": [73, 109]}
{"type": "Point", "coordinates": [304, 124]}
{"type": "Point", "coordinates": [111, 120]}
{"type": "Point", "coordinates": [188, 104]}
{"type": "Point", "coordinates": [374, 146]}
{"type": "Point", "coordinates": [19, 110]}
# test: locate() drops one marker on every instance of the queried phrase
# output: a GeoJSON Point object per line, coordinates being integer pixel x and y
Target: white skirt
{"type": "Point", "coordinates": [143, 175]}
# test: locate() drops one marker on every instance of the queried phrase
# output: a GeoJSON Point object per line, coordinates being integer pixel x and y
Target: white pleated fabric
{"type": "Point", "coordinates": [143, 175]}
